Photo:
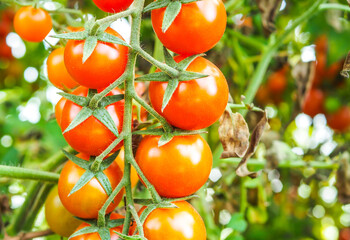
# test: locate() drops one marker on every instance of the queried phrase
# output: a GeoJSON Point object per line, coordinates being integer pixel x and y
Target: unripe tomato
{"type": "Point", "coordinates": [91, 136]}
{"type": "Point", "coordinates": [57, 71]}
{"type": "Point", "coordinates": [113, 6]}
{"type": "Point", "coordinates": [182, 223]}
{"type": "Point", "coordinates": [59, 109]}
{"type": "Point", "coordinates": [106, 63]}
{"type": "Point", "coordinates": [120, 161]}
{"type": "Point", "coordinates": [196, 29]}
{"type": "Point", "coordinates": [95, 235]}
{"type": "Point", "coordinates": [314, 102]}
{"type": "Point", "coordinates": [340, 120]}
{"type": "Point", "coordinates": [32, 24]}
{"type": "Point", "coordinates": [178, 168]}
{"type": "Point", "coordinates": [197, 103]}
{"type": "Point", "coordinates": [60, 220]}
{"type": "Point", "coordinates": [87, 201]}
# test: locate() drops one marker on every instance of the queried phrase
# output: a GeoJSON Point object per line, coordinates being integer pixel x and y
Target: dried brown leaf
{"type": "Point", "coordinates": [346, 66]}
{"type": "Point", "coordinates": [234, 135]}
{"type": "Point", "coordinates": [343, 179]}
{"type": "Point", "coordinates": [269, 9]}
{"type": "Point", "coordinates": [303, 74]}
{"type": "Point", "coordinates": [242, 169]}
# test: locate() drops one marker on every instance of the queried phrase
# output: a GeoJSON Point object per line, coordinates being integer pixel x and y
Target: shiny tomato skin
{"type": "Point", "coordinates": [196, 29]}
{"type": "Point", "coordinates": [95, 235]}
{"type": "Point", "coordinates": [59, 219]}
{"type": "Point", "coordinates": [59, 109]}
{"type": "Point", "coordinates": [32, 24]}
{"type": "Point", "coordinates": [314, 102]}
{"type": "Point", "coordinates": [106, 63]}
{"type": "Point", "coordinates": [91, 136]}
{"type": "Point", "coordinates": [57, 71]}
{"type": "Point", "coordinates": [340, 120]}
{"type": "Point", "coordinates": [113, 6]}
{"type": "Point", "coordinates": [197, 103]}
{"type": "Point", "coordinates": [182, 223]}
{"type": "Point", "coordinates": [87, 201]}
{"type": "Point", "coordinates": [178, 168]}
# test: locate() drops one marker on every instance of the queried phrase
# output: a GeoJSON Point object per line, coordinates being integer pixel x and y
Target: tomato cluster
{"type": "Point", "coordinates": [195, 104]}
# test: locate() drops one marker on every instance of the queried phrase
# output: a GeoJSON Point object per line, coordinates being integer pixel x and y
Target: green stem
{"type": "Point", "coordinates": [28, 174]}
{"type": "Point", "coordinates": [336, 6]}
{"type": "Point", "coordinates": [137, 220]}
{"type": "Point", "coordinates": [243, 194]}
{"type": "Point", "coordinates": [244, 106]}
{"type": "Point", "coordinates": [116, 16]}
{"type": "Point", "coordinates": [248, 40]}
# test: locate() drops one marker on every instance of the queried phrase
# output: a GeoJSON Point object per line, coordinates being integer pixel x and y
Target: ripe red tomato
{"type": "Point", "coordinates": [277, 81]}
{"type": "Point", "coordinates": [178, 168]}
{"type": "Point", "coordinates": [32, 24]}
{"type": "Point", "coordinates": [87, 201]}
{"type": "Point", "coordinates": [106, 63]}
{"type": "Point", "coordinates": [91, 136]}
{"type": "Point", "coordinates": [195, 104]}
{"type": "Point", "coordinates": [59, 109]}
{"type": "Point", "coordinates": [66, 223]}
{"type": "Point", "coordinates": [5, 50]}
{"type": "Point", "coordinates": [314, 102]}
{"type": "Point", "coordinates": [113, 6]}
{"type": "Point", "coordinates": [95, 235]}
{"type": "Point", "coordinates": [182, 223]}
{"type": "Point", "coordinates": [340, 120]}
{"type": "Point", "coordinates": [196, 29]}
{"type": "Point", "coordinates": [57, 71]}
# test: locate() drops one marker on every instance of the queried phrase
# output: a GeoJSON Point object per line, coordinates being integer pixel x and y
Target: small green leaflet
{"type": "Point", "coordinates": [85, 230]}
{"type": "Point", "coordinates": [106, 37]}
{"type": "Point", "coordinates": [81, 101]}
{"type": "Point", "coordinates": [89, 46]}
{"type": "Point", "coordinates": [78, 161]}
{"type": "Point", "coordinates": [157, 76]}
{"type": "Point", "coordinates": [156, 5]}
{"type": "Point", "coordinates": [110, 99]}
{"type": "Point", "coordinates": [104, 233]}
{"type": "Point", "coordinates": [170, 89]}
{"type": "Point", "coordinates": [170, 14]}
{"type": "Point", "coordinates": [83, 180]}
{"type": "Point", "coordinates": [169, 59]}
{"type": "Point", "coordinates": [187, 61]}
{"type": "Point", "coordinates": [126, 237]}
{"type": "Point", "coordinates": [165, 139]}
{"type": "Point", "coordinates": [104, 181]}
{"type": "Point", "coordinates": [103, 116]}
{"type": "Point", "coordinates": [84, 114]}
{"type": "Point", "coordinates": [81, 35]}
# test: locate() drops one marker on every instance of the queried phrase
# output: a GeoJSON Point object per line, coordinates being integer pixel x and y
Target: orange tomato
{"type": "Point", "coordinates": [120, 161]}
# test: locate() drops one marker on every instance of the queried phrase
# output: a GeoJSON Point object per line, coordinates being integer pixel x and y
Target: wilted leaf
{"type": "Point", "coordinates": [346, 66]}
{"type": "Point", "coordinates": [234, 135]}
{"type": "Point", "coordinates": [303, 74]}
{"type": "Point", "coordinates": [268, 9]}
{"type": "Point", "coordinates": [343, 179]}
{"type": "Point", "coordinates": [242, 169]}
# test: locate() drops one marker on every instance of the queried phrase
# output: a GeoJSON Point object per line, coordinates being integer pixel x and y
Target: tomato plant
{"type": "Point", "coordinates": [196, 29]}
{"type": "Point", "coordinates": [177, 169]}
{"type": "Point", "coordinates": [182, 222]}
{"type": "Point", "coordinates": [87, 201]}
{"type": "Point", "coordinates": [340, 120]}
{"type": "Point", "coordinates": [59, 109]}
{"type": "Point", "coordinates": [314, 102]}
{"type": "Point", "coordinates": [120, 161]}
{"type": "Point", "coordinates": [60, 220]}
{"type": "Point", "coordinates": [113, 6]}
{"type": "Point", "coordinates": [200, 101]}
{"type": "Point", "coordinates": [57, 71]}
{"type": "Point", "coordinates": [32, 24]}
{"type": "Point", "coordinates": [91, 136]}
{"type": "Point", "coordinates": [106, 63]}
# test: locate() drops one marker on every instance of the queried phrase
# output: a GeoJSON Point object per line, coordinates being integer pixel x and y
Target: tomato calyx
{"type": "Point", "coordinates": [90, 173]}
{"type": "Point", "coordinates": [88, 110]}
{"type": "Point", "coordinates": [92, 33]}
{"type": "Point", "coordinates": [103, 231]}
{"type": "Point", "coordinates": [173, 8]}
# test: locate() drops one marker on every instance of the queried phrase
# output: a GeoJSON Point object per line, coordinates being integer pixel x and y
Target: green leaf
{"type": "Point", "coordinates": [108, 161]}
{"type": "Point", "coordinates": [183, 65]}
{"type": "Point", "coordinates": [103, 28]}
{"type": "Point", "coordinates": [91, 92]}
{"type": "Point", "coordinates": [84, 114]}
{"type": "Point", "coordinates": [170, 14]}
{"type": "Point", "coordinates": [115, 223]}
{"type": "Point", "coordinates": [180, 132]}
{"type": "Point", "coordinates": [85, 230]}
{"type": "Point", "coordinates": [165, 139]}
{"type": "Point", "coordinates": [169, 59]}
{"type": "Point", "coordinates": [89, 47]}
{"type": "Point", "coordinates": [126, 237]}
{"type": "Point", "coordinates": [78, 161]}
{"type": "Point", "coordinates": [157, 76]}
{"type": "Point", "coordinates": [84, 179]}
{"type": "Point", "coordinates": [103, 115]}
{"type": "Point", "coordinates": [80, 100]}
{"type": "Point", "coordinates": [104, 234]}
{"type": "Point", "coordinates": [238, 222]}
{"type": "Point", "coordinates": [89, 24]}
{"type": "Point", "coordinates": [104, 181]}
{"type": "Point", "coordinates": [72, 35]}
{"type": "Point", "coordinates": [110, 99]}
{"type": "Point", "coordinates": [143, 201]}
{"type": "Point", "coordinates": [109, 38]}
{"type": "Point", "coordinates": [188, 1]}
{"type": "Point", "coordinates": [169, 91]}
{"type": "Point", "coordinates": [156, 5]}
{"type": "Point", "coordinates": [186, 76]}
